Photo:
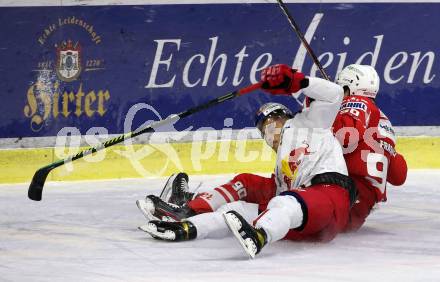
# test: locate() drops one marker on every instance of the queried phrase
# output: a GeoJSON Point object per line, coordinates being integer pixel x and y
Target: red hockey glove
{"type": "Point", "coordinates": [282, 80]}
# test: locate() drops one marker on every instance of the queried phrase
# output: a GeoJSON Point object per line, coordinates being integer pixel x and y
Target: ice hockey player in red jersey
{"type": "Point", "coordinates": [308, 197]}
{"type": "Point", "coordinates": [368, 139]}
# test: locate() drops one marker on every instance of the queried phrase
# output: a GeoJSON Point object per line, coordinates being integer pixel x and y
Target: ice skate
{"type": "Point", "coordinates": [251, 239]}
{"type": "Point", "coordinates": [170, 231]}
{"type": "Point", "coordinates": [176, 190]}
{"type": "Point", "coordinates": [154, 208]}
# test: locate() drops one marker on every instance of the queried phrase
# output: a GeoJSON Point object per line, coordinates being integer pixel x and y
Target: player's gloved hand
{"type": "Point", "coordinates": [282, 80]}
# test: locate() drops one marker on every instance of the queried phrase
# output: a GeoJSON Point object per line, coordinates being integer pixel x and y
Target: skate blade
{"type": "Point", "coordinates": [166, 191]}
{"type": "Point", "coordinates": [233, 222]}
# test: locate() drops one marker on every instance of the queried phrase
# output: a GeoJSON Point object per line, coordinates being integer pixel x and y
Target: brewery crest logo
{"type": "Point", "coordinates": [68, 64]}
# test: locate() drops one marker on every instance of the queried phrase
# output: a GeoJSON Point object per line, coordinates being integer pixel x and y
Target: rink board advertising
{"type": "Point", "coordinates": [87, 66]}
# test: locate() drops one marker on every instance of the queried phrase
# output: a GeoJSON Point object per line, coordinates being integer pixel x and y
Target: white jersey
{"type": "Point", "coordinates": [307, 146]}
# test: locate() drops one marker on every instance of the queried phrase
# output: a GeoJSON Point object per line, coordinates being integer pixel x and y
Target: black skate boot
{"type": "Point", "coordinates": [154, 208]}
{"type": "Point", "coordinates": [251, 239]}
{"type": "Point", "coordinates": [176, 190]}
{"type": "Point", "coordinates": [170, 231]}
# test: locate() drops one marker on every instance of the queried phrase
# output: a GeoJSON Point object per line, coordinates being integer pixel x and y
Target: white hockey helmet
{"type": "Point", "coordinates": [362, 80]}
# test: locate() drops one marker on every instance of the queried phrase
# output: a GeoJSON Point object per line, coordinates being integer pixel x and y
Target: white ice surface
{"type": "Point", "coordinates": [86, 231]}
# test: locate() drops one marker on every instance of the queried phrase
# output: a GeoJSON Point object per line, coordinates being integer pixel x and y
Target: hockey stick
{"type": "Point", "coordinates": [36, 187]}
{"type": "Point", "coordinates": [301, 37]}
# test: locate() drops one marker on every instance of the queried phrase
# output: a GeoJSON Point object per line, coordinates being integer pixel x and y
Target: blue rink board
{"type": "Point", "coordinates": [117, 47]}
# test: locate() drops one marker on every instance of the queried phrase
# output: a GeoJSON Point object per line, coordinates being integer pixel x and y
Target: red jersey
{"type": "Point", "coordinates": [368, 141]}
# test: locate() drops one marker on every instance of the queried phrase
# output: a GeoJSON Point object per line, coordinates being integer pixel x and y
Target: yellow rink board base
{"type": "Point", "coordinates": [209, 157]}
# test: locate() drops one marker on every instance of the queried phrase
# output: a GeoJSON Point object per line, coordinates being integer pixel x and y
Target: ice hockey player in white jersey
{"type": "Point", "coordinates": [307, 198]}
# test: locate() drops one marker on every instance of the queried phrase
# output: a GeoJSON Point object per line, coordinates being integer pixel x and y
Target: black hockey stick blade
{"type": "Point", "coordinates": [36, 188]}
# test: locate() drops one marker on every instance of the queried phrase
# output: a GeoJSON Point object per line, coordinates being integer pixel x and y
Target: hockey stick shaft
{"type": "Point", "coordinates": [301, 37]}
{"type": "Point", "coordinates": [36, 187]}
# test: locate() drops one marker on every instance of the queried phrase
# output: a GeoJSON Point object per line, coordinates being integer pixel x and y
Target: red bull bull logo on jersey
{"type": "Point", "coordinates": [290, 163]}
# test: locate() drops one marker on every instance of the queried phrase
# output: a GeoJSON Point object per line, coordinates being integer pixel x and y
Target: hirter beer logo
{"type": "Point", "coordinates": [68, 66]}
{"type": "Point", "coordinates": [58, 92]}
